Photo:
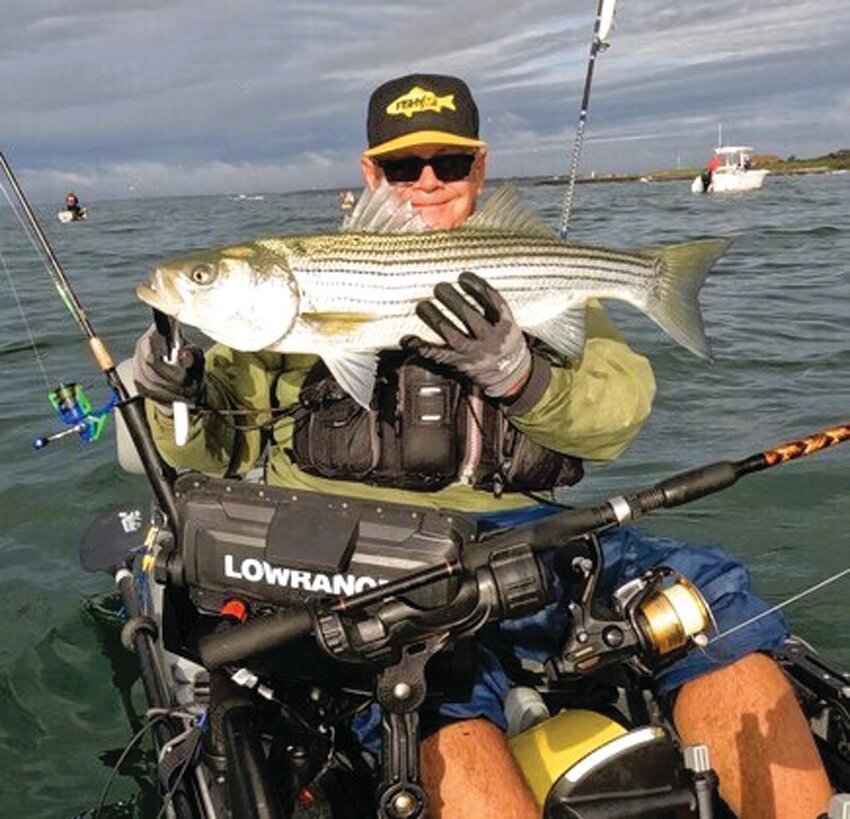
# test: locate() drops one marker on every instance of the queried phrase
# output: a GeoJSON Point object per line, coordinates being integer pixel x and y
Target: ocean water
{"type": "Point", "coordinates": [776, 311]}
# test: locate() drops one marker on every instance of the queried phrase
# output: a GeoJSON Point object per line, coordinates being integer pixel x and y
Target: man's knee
{"type": "Point", "coordinates": [760, 742]}
{"type": "Point", "coordinates": [468, 770]}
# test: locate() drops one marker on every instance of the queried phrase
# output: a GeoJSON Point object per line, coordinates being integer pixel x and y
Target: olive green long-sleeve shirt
{"type": "Point", "coordinates": [591, 410]}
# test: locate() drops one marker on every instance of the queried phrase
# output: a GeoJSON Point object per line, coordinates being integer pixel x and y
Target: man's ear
{"type": "Point", "coordinates": [372, 174]}
{"type": "Point", "coordinates": [480, 169]}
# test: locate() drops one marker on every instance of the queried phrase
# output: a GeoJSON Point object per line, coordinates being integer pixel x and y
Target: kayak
{"type": "Point", "coordinates": [66, 216]}
{"type": "Point", "coordinates": [280, 687]}
{"type": "Point", "coordinates": [282, 640]}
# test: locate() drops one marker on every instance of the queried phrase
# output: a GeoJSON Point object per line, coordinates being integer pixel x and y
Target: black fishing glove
{"type": "Point", "coordinates": [493, 352]}
{"type": "Point", "coordinates": [163, 382]}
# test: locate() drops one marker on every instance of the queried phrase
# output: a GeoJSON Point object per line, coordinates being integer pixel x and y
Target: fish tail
{"type": "Point", "coordinates": [674, 304]}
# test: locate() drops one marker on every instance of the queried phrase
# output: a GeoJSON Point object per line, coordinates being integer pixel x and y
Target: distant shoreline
{"type": "Point", "coordinates": [668, 176]}
{"type": "Point", "coordinates": [838, 161]}
{"type": "Point", "coordinates": [675, 176]}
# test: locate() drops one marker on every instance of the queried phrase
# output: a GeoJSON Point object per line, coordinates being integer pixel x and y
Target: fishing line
{"type": "Point", "coordinates": [18, 302]}
{"type": "Point", "coordinates": [33, 240]}
{"type": "Point", "coordinates": [54, 269]}
{"type": "Point", "coordinates": [24, 225]}
{"type": "Point", "coordinates": [38, 357]}
{"type": "Point", "coordinates": [793, 599]}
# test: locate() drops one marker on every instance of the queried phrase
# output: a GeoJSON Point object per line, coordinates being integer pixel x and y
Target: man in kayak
{"type": "Point", "coordinates": [424, 140]}
{"type": "Point", "coordinates": [72, 205]}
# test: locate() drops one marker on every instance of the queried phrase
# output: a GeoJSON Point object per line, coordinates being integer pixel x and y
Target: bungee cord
{"type": "Point", "coordinates": [154, 716]}
{"type": "Point", "coordinates": [134, 741]}
{"type": "Point", "coordinates": [194, 734]}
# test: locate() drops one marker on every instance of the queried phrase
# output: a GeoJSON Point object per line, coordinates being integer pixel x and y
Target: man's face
{"type": "Point", "coordinates": [443, 205]}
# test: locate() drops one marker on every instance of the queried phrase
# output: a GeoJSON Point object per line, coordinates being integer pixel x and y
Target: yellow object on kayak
{"type": "Point", "coordinates": [551, 747]}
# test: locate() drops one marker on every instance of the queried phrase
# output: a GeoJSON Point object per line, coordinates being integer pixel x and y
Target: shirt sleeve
{"type": "Point", "coordinates": [593, 409]}
{"type": "Point", "coordinates": [226, 443]}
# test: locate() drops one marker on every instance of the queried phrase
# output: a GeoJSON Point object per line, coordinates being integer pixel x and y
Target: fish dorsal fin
{"type": "Point", "coordinates": [355, 372]}
{"type": "Point", "coordinates": [505, 211]}
{"type": "Point", "coordinates": [382, 211]}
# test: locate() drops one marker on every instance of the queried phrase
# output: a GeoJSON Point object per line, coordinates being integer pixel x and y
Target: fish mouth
{"type": "Point", "coordinates": [157, 294]}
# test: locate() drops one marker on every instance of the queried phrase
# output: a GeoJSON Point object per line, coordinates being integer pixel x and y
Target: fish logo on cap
{"type": "Point", "coordinates": [419, 99]}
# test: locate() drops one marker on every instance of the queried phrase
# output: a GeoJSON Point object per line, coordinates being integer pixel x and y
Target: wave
{"type": "Point", "coordinates": [819, 231]}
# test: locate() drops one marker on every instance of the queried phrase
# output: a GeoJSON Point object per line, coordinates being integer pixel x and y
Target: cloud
{"type": "Point", "coordinates": [185, 95]}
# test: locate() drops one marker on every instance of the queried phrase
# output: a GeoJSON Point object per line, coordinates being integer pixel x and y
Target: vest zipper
{"type": "Point", "coordinates": [474, 437]}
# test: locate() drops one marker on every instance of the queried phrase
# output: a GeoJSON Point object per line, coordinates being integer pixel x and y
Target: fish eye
{"type": "Point", "coordinates": [203, 274]}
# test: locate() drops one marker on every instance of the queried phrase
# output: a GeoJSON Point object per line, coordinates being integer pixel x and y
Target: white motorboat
{"type": "Point", "coordinates": [728, 171]}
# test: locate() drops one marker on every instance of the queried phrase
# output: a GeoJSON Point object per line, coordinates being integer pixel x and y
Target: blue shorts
{"type": "Point", "coordinates": [627, 553]}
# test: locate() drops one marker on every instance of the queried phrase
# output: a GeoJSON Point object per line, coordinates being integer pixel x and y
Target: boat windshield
{"type": "Point", "coordinates": [735, 156]}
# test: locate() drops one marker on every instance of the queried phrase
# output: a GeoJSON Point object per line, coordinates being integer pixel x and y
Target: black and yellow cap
{"type": "Point", "coordinates": [420, 109]}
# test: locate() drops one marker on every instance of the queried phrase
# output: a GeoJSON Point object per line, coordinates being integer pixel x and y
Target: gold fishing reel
{"type": "Point", "coordinates": [671, 615]}
{"type": "Point", "coordinates": [651, 621]}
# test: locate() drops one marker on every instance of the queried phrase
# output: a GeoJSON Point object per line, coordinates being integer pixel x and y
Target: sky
{"type": "Point", "coordinates": [137, 98]}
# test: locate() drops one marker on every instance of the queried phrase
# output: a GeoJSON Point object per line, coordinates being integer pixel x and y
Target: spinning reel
{"type": "Point", "coordinates": [654, 619]}
{"type": "Point", "coordinates": [74, 409]}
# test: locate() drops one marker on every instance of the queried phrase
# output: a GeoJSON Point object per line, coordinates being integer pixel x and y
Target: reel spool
{"type": "Point", "coordinates": [668, 617]}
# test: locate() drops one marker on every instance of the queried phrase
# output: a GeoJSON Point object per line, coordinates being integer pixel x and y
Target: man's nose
{"type": "Point", "coordinates": [428, 179]}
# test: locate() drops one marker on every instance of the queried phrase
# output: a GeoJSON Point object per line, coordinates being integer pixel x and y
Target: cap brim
{"type": "Point", "coordinates": [424, 138]}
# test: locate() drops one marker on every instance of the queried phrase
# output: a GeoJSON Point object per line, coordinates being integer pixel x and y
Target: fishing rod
{"type": "Point", "coordinates": [676, 490]}
{"type": "Point", "coordinates": [74, 409]}
{"type": "Point", "coordinates": [601, 29]}
{"type": "Point", "coordinates": [266, 633]}
{"type": "Point", "coordinates": [69, 400]}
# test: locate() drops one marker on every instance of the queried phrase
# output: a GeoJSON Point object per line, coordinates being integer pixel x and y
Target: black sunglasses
{"type": "Point", "coordinates": [447, 167]}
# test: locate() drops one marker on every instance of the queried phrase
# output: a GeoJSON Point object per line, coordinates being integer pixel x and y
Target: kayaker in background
{"type": "Point", "coordinates": [708, 174]}
{"type": "Point", "coordinates": [347, 200]}
{"type": "Point", "coordinates": [423, 138]}
{"type": "Point", "coordinates": [72, 205]}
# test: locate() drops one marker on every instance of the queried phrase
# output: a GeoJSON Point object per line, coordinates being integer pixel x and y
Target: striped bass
{"type": "Point", "coordinates": [347, 295]}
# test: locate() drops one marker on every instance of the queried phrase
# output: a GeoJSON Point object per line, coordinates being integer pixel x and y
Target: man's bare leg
{"type": "Point", "coordinates": [468, 772]}
{"type": "Point", "coordinates": [759, 740]}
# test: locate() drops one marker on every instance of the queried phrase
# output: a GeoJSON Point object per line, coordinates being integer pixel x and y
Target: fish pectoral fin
{"type": "Point", "coordinates": [505, 211]}
{"type": "Point", "coordinates": [329, 323]}
{"type": "Point", "coordinates": [355, 371]}
{"type": "Point", "coordinates": [382, 211]}
{"type": "Point", "coordinates": [564, 333]}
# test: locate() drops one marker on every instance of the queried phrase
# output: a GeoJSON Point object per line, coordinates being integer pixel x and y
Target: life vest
{"type": "Point", "coordinates": [426, 428]}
